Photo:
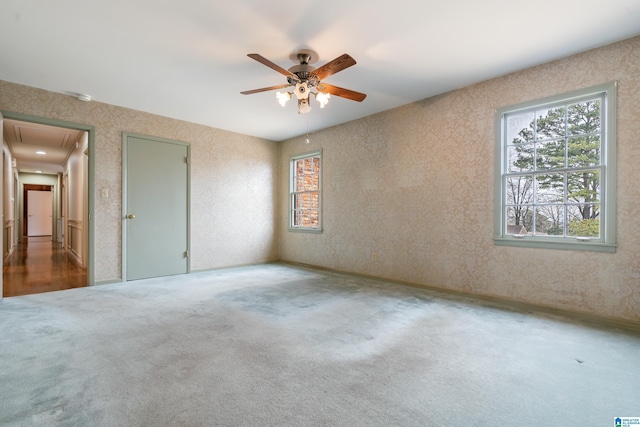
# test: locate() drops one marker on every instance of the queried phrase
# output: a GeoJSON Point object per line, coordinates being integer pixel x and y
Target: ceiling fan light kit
{"type": "Point", "coordinates": [283, 97]}
{"type": "Point", "coordinates": [304, 78]}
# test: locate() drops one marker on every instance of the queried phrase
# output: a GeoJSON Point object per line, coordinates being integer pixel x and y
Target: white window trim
{"type": "Point", "coordinates": [606, 242]}
{"type": "Point", "coordinates": [298, 228]}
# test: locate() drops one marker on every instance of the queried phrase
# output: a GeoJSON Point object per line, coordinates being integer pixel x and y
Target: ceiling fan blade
{"type": "Point", "coordinates": [332, 67]}
{"type": "Point", "coordinates": [264, 89]}
{"type": "Point", "coordinates": [261, 59]}
{"type": "Point", "coordinates": [341, 92]}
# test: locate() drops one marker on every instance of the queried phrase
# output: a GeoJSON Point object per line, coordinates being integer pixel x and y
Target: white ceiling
{"type": "Point", "coordinates": [27, 142]}
{"type": "Point", "coordinates": [187, 59]}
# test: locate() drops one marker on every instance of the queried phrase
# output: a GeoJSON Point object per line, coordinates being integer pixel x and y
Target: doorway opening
{"type": "Point", "coordinates": [47, 176]}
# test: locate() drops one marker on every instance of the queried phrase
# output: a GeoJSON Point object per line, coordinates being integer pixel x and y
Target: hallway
{"type": "Point", "coordinates": [39, 265]}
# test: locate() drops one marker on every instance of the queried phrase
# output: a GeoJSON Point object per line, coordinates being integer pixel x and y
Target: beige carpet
{"type": "Point", "coordinates": [276, 345]}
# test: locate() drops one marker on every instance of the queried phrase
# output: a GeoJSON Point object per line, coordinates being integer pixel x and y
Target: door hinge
{"type": "Point", "coordinates": [186, 254]}
{"type": "Point", "coordinates": [186, 160]}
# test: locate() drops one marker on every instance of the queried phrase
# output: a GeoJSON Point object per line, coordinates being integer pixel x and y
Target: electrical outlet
{"type": "Point", "coordinates": [104, 193]}
{"type": "Point", "coordinates": [374, 256]}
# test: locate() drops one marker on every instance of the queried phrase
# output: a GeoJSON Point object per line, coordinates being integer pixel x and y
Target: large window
{"type": "Point", "coordinates": [557, 172]}
{"type": "Point", "coordinates": [305, 193]}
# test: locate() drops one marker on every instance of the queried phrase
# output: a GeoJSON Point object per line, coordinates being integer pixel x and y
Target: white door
{"type": "Point", "coordinates": [156, 231]}
{"type": "Point", "coordinates": [39, 213]}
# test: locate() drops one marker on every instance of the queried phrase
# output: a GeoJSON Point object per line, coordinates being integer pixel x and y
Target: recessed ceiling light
{"type": "Point", "coordinates": [84, 97]}
{"type": "Point", "coordinates": [42, 153]}
{"type": "Point", "coordinates": [38, 171]}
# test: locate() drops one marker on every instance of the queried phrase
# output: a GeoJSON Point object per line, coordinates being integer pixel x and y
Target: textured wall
{"type": "Point", "coordinates": [408, 194]}
{"type": "Point", "coordinates": [232, 180]}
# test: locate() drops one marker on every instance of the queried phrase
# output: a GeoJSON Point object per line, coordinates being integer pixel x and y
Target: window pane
{"type": "Point", "coordinates": [519, 189]}
{"type": "Point", "coordinates": [310, 182]}
{"type": "Point", "coordinates": [303, 201]}
{"type": "Point", "coordinates": [519, 127]}
{"type": "Point", "coordinates": [584, 118]}
{"type": "Point", "coordinates": [313, 214]}
{"type": "Point", "coordinates": [583, 187]}
{"type": "Point", "coordinates": [550, 220]}
{"type": "Point", "coordinates": [307, 174]}
{"type": "Point", "coordinates": [306, 209]}
{"type": "Point", "coordinates": [583, 221]}
{"type": "Point", "coordinates": [308, 166]}
{"type": "Point", "coordinates": [520, 158]}
{"type": "Point", "coordinates": [304, 219]}
{"type": "Point", "coordinates": [306, 183]}
{"type": "Point", "coordinates": [550, 154]}
{"type": "Point", "coordinates": [550, 188]}
{"type": "Point", "coordinates": [518, 219]}
{"type": "Point", "coordinates": [584, 151]}
{"type": "Point", "coordinates": [550, 124]}
{"type": "Point", "coordinates": [308, 218]}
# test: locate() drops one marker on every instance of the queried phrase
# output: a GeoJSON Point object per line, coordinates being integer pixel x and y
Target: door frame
{"type": "Point", "coordinates": [91, 135]}
{"type": "Point", "coordinates": [125, 137]}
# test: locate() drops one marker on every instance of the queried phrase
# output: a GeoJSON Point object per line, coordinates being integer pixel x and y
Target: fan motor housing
{"type": "Point", "coordinates": [303, 70]}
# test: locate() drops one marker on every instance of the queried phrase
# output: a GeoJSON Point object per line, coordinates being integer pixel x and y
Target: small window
{"type": "Point", "coordinates": [556, 171]}
{"type": "Point", "coordinates": [306, 193]}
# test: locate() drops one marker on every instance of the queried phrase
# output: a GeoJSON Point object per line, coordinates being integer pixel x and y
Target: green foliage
{"type": "Point", "coordinates": [555, 231]}
{"type": "Point", "coordinates": [585, 227]}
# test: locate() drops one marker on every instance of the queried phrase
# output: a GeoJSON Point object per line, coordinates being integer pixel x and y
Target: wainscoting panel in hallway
{"type": "Point", "coordinates": [39, 265]}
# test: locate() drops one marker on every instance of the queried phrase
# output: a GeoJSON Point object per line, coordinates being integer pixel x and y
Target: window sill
{"type": "Point", "coordinates": [575, 245]}
{"type": "Point", "coordinates": [316, 230]}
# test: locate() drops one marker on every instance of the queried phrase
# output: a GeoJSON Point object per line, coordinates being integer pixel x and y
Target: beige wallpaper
{"type": "Point", "coordinates": [408, 195]}
{"type": "Point", "coordinates": [233, 212]}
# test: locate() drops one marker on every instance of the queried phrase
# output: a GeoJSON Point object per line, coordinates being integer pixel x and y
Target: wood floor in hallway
{"type": "Point", "coordinates": [40, 265]}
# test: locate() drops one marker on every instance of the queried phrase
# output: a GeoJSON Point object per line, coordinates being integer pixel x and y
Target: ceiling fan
{"type": "Point", "coordinates": [305, 77]}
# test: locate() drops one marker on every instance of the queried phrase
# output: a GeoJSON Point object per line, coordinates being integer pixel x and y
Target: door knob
{"type": "Point", "coordinates": [131, 216]}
